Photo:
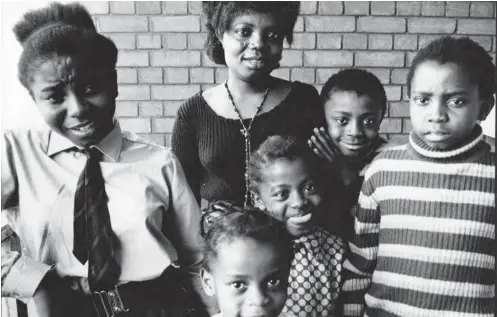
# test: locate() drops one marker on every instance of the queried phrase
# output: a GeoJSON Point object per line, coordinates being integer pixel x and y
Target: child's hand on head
{"type": "Point", "coordinates": [322, 145]}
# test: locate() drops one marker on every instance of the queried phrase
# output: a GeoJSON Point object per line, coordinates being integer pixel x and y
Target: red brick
{"type": "Point", "coordinates": [127, 76]}
{"type": "Point", "coordinates": [473, 26]}
{"type": "Point", "coordinates": [399, 76]}
{"type": "Point", "coordinates": [331, 7]}
{"type": "Point", "coordinates": [308, 7]}
{"type": "Point", "coordinates": [381, 59]}
{"type": "Point", "coordinates": [132, 23]}
{"type": "Point", "coordinates": [299, 25]}
{"type": "Point", "coordinates": [329, 24]}
{"type": "Point", "coordinates": [383, 74]}
{"type": "Point", "coordinates": [380, 42]}
{"type": "Point", "coordinates": [124, 41]}
{"type": "Point", "coordinates": [408, 7]}
{"type": "Point", "coordinates": [405, 42]}
{"type": "Point", "coordinates": [148, 7]}
{"type": "Point", "coordinates": [174, 7]}
{"type": "Point", "coordinates": [174, 41]}
{"type": "Point", "coordinates": [323, 74]}
{"type": "Point", "coordinates": [174, 92]}
{"type": "Point", "coordinates": [483, 9]}
{"type": "Point", "coordinates": [382, 7]}
{"type": "Point", "coordinates": [189, 23]}
{"type": "Point", "coordinates": [457, 9]}
{"type": "Point", "coordinates": [168, 138]}
{"type": "Point", "coordinates": [148, 41]}
{"type": "Point", "coordinates": [328, 58]}
{"type": "Point", "coordinates": [196, 41]}
{"type": "Point", "coordinates": [406, 125]}
{"type": "Point", "coordinates": [175, 58]}
{"type": "Point", "coordinates": [221, 74]}
{"type": "Point", "coordinates": [136, 125]}
{"type": "Point", "coordinates": [150, 109]}
{"type": "Point", "coordinates": [409, 58]}
{"type": "Point", "coordinates": [126, 108]}
{"type": "Point", "coordinates": [405, 96]}
{"type": "Point", "coordinates": [305, 75]}
{"type": "Point", "coordinates": [399, 109]}
{"type": "Point", "coordinates": [355, 41]}
{"type": "Point", "coordinates": [394, 93]}
{"type": "Point", "coordinates": [431, 25]}
{"type": "Point", "coordinates": [194, 7]}
{"type": "Point", "coordinates": [283, 73]}
{"type": "Point", "coordinates": [205, 87]}
{"type": "Point", "coordinates": [96, 7]}
{"type": "Point", "coordinates": [356, 7]}
{"type": "Point", "coordinates": [433, 8]}
{"type": "Point", "coordinates": [303, 40]}
{"type": "Point", "coordinates": [150, 75]}
{"type": "Point", "coordinates": [171, 108]}
{"type": "Point", "coordinates": [176, 75]}
{"type": "Point", "coordinates": [381, 25]}
{"type": "Point", "coordinates": [122, 7]}
{"type": "Point", "coordinates": [202, 75]}
{"type": "Point", "coordinates": [424, 40]}
{"type": "Point", "coordinates": [163, 125]}
{"type": "Point", "coordinates": [398, 139]}
{"type": "Point", "coordinates": [133, 92]}
{"type": "Point", "coordinates": [390, 125]}
{"type": "Point", "coordinates": [154, 138]}
{"type": "Point", "coordinates": [329, 41]}
{"type": "Point", "coordinates": [291, 58]}
{"type": "Point", "coordinates": [132, 58]}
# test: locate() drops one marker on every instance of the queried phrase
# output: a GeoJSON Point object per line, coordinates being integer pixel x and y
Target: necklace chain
{"type": "Point", "coordinates": [246, 134]}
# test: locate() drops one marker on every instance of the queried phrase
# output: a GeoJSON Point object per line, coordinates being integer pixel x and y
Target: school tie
{"type": "Point", "coordinates": [94, 239]}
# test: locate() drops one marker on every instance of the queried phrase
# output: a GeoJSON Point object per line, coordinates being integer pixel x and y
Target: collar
{"type": "Point", "coordinates": [110, 146]}
{"type": "Point", "coordinates": [418, 145]}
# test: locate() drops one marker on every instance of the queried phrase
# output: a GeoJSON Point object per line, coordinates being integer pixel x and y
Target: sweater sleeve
{"type": "Point", "coordinates": [363, 250]}
{"type": "Point", "coordinates": [185, 147]}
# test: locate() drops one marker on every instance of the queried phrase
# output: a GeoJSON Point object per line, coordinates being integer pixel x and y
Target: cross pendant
{"type": "Point", "coordinates": [244, 132]}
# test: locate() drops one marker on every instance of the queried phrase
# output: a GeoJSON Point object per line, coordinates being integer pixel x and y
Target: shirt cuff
{"type": "Point", "coordinates": [24, 278]}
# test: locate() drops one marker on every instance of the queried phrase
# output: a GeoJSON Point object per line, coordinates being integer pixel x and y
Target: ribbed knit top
{"type": "Point", "coordinates": [424, 233]}
{"type": "Point", "coordinates": [211, 148]}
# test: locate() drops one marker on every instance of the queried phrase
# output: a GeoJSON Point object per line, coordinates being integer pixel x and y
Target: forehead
{"type": "Point", "coordinates": [284, 170]}
{"type": "Point", "coordinates": [65, 69]}
{"type": "Point", "coordinates": [352, 103]}
{"type": "Point", "coordinates": [247, 257]}
{"type": "Point", "coordinates": [432, 76]}
{"type": "Point", "coordinates": [259, 19]}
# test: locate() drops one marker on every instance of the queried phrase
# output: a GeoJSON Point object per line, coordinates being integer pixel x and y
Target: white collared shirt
{"type": "Point", "coordinates": [145, 185]}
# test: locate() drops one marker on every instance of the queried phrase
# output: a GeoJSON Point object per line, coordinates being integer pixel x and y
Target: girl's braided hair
{"type": "Point", "coordinates": [61, 30]}
{"type": "Point", "coordinates": [224, 222]}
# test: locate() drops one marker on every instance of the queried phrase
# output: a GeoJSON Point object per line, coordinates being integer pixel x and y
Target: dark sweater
{"type": "Point", "coordinates": [211, 148]}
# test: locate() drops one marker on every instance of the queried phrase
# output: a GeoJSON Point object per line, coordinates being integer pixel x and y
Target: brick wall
{"type": "Point", "coordinates": [161, 59]}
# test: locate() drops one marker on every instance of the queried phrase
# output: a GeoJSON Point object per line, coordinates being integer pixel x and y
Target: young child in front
{"type": "Point", "coordinates": [98, 210]}
{"type": "Point", "coordinates": [354, 102]}
{"type": "Point", "coordinates": [285, 181]}
{"type": "Point", "coordinates": [247, 260]}
{"type": "Point", "coordinates": [425, 222]}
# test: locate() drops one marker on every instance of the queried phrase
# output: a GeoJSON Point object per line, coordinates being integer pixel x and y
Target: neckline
{"type": "Point", "coordinates": [421, 148]}
{"type": "Point", "coordinates": [292, 89]}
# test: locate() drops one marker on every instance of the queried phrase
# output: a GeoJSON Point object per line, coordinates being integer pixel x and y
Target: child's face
{"type": "Point", "coordinates": [290, 194]}
{"type": "Point", "coordinates": [253, 44]}
{"type": "Point", "coordinates": [444, 104]}
{"type": "Point", "coordinates": [249, 278]}
{"type": "Point", "coordinates": [77, 103]}
{"type": "Point", "coordinates": [353, 122]}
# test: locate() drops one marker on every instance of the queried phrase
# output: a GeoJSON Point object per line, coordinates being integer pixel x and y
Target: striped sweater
{"type": "Point", "coordinates": [424, 234]}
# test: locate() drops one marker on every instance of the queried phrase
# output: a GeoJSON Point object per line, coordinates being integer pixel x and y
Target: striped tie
{"type": "Point", "coordinates": [94, 239]}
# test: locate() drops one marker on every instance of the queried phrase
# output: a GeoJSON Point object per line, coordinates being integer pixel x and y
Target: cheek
{"type": "Point", "coordinates": [53, 117]}
{"type": "Point", "coordinates": [335, 130]}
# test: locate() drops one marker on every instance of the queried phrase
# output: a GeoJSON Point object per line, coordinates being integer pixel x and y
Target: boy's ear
{"type": "Point", "coordinates": [258, 201]}
{"type": "Point", "coordinates": [207, 282]}
{"type": "Point", "coordinates": [485, 108]}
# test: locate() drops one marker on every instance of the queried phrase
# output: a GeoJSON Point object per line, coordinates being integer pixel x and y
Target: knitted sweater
{"type": "Point", "coordinates": [424, 234]}
{"type": "Point", "coordinates": [211, 148]}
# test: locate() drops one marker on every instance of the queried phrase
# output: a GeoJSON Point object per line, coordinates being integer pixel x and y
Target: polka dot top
{"type": "Point", "coordinates": [315, 275]}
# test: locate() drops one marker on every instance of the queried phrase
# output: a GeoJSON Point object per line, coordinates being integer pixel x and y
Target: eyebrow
{"type": "Point", "coordinates": [452, 93]}
{"type": "Point", "coordinates": [52, 87]}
